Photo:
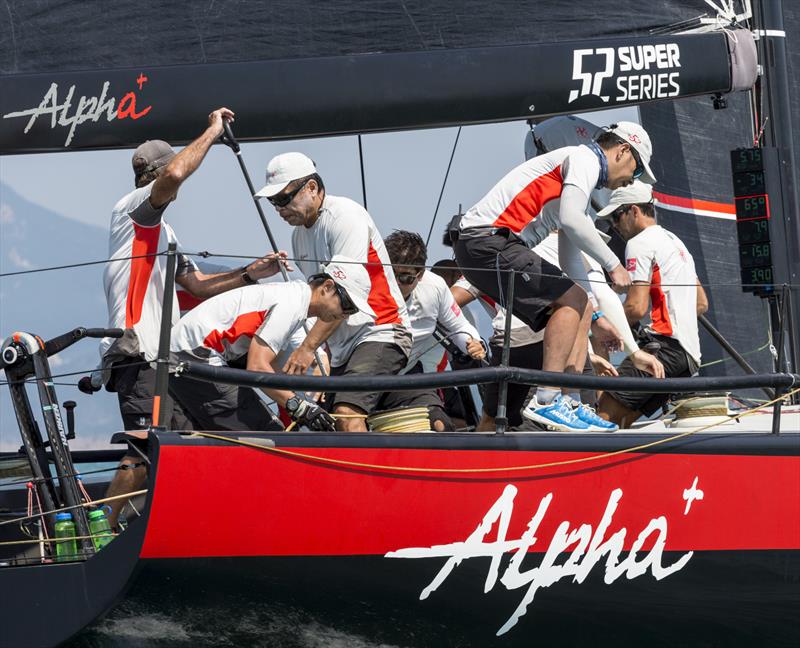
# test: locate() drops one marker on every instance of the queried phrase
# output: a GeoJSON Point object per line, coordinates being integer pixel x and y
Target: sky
{"type": "Point", "coordinates": [404, 172]}
{"type": "Point", "coordinates": [214, 212]}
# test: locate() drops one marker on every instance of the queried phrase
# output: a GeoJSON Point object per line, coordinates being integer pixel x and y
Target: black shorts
{"type": "Point", "coordinates": [370, 359]}
{"type": "Point", "coordinates": [537, 283]}
{"type": "Point", "coordinates": [374, 358]}
{"type": "Point", "coordinates": [525, 357]}
{"type": "Point", "coordinates": [135, 385]}
{"type": "Point", "coordinates": [677, 364]}
{"type": "Point", "coordinates": [213, 406]}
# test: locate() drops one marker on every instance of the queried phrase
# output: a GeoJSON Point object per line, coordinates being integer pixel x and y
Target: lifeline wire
{"type": "Point", "coordinates": [205, 254]}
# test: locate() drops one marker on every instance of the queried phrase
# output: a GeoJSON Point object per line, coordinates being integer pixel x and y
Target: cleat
{"type": "Point", "coordinates": [558, 415]}
{"type": "Point", "coordinates": [595, 423]}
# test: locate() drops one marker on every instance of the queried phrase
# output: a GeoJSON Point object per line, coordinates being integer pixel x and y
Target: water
{"type": "Point", "coordinates": [134, 624]}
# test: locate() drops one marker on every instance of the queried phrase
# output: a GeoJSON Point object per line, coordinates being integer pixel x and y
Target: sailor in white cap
{"type": "Point", "coordinates": [551, 191]}
{"type": "Point", "coordinates": [326, 226]}
{"type": "Point", "coordinates": [665, 281]}
{"type": "Point", "coordinates": [251, 325]}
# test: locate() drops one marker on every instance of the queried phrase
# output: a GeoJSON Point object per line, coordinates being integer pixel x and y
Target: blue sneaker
{"type": "Point", "coordinates": [595, 423]}
{"type": "Point", "coordinates": [558, 415]}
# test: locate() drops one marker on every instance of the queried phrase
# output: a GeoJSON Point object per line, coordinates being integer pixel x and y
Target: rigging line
{"type": "Point", "coordinates": [444, 183]}
{"type": "Point", "coordinates": [746, 353]}
{"type": "Point", "coordinates": [206, 254]}
{"type": "Point", "coordinates": [79, 265]}
{"type": "Point", "coordinates": [417, 469]}
{"type": "Point", "coordinates": [71, 373]}
{"type": "Point", "coordinates": [363, 180]}
{"type": "Point", "coordinates": [41, 480]}
{"type": "Point", "coordinates": [102, 500]}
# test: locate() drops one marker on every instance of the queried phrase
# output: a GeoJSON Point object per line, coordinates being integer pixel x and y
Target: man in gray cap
{"type": "Point", "coordinates": [134, 280]}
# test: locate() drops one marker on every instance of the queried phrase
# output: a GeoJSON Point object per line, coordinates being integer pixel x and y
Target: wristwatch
{"type": "Point", "coordinates": [292, 404]}
{"type": "Point", "coordinates": [248, 280]}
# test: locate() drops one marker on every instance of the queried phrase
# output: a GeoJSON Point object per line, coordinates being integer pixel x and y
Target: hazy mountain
{"type": "Point", "coordinates": [50, 303]}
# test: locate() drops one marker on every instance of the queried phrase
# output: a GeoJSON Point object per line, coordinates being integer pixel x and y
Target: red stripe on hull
{"type": "Point", "coordinates": [228, 501]}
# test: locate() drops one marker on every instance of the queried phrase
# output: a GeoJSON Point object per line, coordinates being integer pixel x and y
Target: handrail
{"type": "Point", "coordinates": [227, 375]}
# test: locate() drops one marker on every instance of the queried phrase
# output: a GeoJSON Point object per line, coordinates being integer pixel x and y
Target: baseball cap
{"type": "Point", "coordinates": [637, 193]}
{"type": "Point", "coordinates": [638, 138]}
{"type": "Point", "coordinates": [151, 155]}
{"type": "Point", "coordinates": [284, 168]}
{"type": "Point", "coordinates": [354, 278]}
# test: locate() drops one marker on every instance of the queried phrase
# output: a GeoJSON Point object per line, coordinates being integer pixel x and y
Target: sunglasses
{"type": "Point", "coordinates": [618, 213]}
{"type": "Point", "coordinates": [407, 278]}
{"type": "Point", "coordinates": [283, 199]}
{"type": "Point", "coordinates": [639, 170]}
{"type": "Point", "coordinates": [348, 306]}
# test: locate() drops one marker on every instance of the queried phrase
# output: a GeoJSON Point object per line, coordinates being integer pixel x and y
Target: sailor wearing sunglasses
{"type": "Point", "coordinates": [552, 192]}
{"type": "Point", "coordinates": [325, 226]}
{"type": "Point", "coordinates": [249, 326]}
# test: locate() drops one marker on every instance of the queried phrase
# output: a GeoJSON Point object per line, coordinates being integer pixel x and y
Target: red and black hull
{"type": "Point", "coordinates": [233, 538]}
{"type": "Point", "coordinates": [283, 527]}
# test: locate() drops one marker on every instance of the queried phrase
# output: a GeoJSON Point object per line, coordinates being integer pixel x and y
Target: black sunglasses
{"type": "Point", "coordinates": [407, 278]}
{"type": "Point", "coordinates": [348, 306]}
{"type": "Point", "coordinates": [618, 212]}
{"type": "Point", "coordinates": [283, 199]}
{"type": "Point", "coordinates": [639, 170]}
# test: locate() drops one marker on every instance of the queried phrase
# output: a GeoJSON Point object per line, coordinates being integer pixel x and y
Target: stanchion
{"type": "Point", "coordinates": [162, 405]}
{"type": "Point", "coordinates": [776, 408]}
{"type": "Point", "coordinates": [501, 419]}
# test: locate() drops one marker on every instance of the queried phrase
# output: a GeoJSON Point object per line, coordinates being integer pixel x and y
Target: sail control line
{"type": "Point", "coordinates": [229, 140]}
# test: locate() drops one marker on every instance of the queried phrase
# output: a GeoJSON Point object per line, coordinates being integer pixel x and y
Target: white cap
{"type": "Point", "coordinates": [284, 168]}
{"type": "Point", "coordinates": [638, 138]}
{"type": "Point", "coordinates": [354, 278]}
{"type": "Point", "coordinates": [637, 193]}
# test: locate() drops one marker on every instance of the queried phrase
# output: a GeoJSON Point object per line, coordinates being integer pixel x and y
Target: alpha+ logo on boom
{"type": "Point", "coordinates": [641, 72]}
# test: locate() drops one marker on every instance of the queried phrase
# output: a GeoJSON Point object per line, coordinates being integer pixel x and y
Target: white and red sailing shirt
{"type": "Point", "coordinates": [345, 227]}
{"type": "Point", "coordinates": [526, 190]}
{"type": "Point", "coordinates": [660, 258]}
{"type": "Point", "coordinates": [521, 333]}
{"type": "Point", "coordinates": [221, 328]}
{"type": "Point", "coordinates": [134, 287]}
{"type": "Point", "coordinates": [432, 303]}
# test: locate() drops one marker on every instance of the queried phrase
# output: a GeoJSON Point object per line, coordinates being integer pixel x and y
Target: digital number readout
{"type": "Point", "coordinates": [753, 231]}
{"type": "Point", "coordinates": [747, 160]}
{"type": "Point", "coordinates": [751, 207]}
{"type": "Point", "coordinates": [748, 183]}
{"type": "Point", "coordinates": [752, 255]}
{"type": "Point", "coordinates": [757, 276]}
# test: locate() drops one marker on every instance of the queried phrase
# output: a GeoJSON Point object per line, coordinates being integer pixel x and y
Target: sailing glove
{"type": "Point", "coordinates": [313, 417]}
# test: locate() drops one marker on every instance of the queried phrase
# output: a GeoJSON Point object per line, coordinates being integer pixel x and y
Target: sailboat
{"type": "Point", "coordinates": [686, 533]}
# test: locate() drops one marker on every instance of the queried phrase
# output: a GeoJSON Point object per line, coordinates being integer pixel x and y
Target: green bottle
{"type": "Point", "coordinates": [100, 529]}
{"type": "Point", "coordinates": [66, 545]}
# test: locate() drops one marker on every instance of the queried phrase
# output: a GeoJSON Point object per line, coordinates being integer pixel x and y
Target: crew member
{"type": "Point", "coordinates": [326, 226]}
{"type": "Point", "coordinates": [664, 278]}
{"type": "Point", "coordinates": [134, 284]}
{"type": "Point", "coordinates": [256, 322]}
{"type": "Point", "coordinates": [431, 307]}
{"type": "Point", "coordinates": [491, 242]}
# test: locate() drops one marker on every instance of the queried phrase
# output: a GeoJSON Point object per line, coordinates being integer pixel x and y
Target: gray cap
{"type": "Point", "coordinates": [151, 155]}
